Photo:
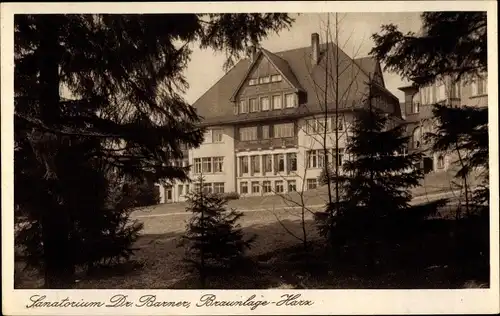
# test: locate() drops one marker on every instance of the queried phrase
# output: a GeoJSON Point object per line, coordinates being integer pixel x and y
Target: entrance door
{"type": "Point", "coordinates": [168, 194]}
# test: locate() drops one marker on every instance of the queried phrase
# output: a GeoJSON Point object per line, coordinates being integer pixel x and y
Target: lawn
{"type": "Point", "coordinates": [274, 263]}
{"type": "Point", "coordinates": [424, 261]}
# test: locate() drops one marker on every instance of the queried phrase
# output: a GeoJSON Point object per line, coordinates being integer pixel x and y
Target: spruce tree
{"type": "Point", "coordinates": [213, 240]}
{"type": "Point", "coordinates": [100, 92]}
{"type": "Point", "coordinates": [375, 186]}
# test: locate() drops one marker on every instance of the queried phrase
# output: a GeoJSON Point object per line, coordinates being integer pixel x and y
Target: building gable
{"type": "Point", "coordinates": [266, 74]}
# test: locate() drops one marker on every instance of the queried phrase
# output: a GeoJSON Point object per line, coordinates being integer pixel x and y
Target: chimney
{"type": "Point", "coordinates": [315, 48]}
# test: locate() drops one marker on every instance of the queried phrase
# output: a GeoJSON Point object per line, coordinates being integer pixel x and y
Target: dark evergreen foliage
{"type": "Point", "coordinates": [101, 92]}
{"type": "Point", "coordinates": [375, 186]}
{"type": "Point", "coordinates": [450, 43]}
{"type": "Point", "coordinates": [213, 239]}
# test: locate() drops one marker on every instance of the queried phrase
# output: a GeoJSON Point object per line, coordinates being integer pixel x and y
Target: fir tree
{"type": "Point", "coordinates": [375, 185]}
{"type": "Point", "coordinates": [213, 239]}
{"type": "Point", "coordinates": [95, 92]}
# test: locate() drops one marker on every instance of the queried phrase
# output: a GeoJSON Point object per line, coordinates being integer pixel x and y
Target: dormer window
{"type": "Point", "coordinates": [253, 82]}
{"type": "Point", "coordinates": [275, 78]}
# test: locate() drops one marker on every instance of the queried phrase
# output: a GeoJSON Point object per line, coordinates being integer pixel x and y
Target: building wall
{"type": "Point", "coordinates": [468, 94]}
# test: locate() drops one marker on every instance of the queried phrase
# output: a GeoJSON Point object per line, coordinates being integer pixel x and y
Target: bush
{"type": "Point", "coordinates": [231, 195]}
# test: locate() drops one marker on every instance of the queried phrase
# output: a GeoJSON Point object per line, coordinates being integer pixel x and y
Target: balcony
{"type": "Point", "coordinates": [266, 143]}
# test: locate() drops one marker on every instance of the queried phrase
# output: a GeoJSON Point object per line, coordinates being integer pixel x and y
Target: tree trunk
{"type": "Point", "coordinates": [58, 261]}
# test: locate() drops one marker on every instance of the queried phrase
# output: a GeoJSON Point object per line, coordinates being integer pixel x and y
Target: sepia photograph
{"type": "Point", "coordinates": [250, 151]}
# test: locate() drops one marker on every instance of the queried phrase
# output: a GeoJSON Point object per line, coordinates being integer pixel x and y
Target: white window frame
{"type": "Point", "coordinates": [279, 184]}
{"type": "Point", "coordinates": [243, 184]}
{"type": "Point", "coordinates": [253, 105]}
{"type": "Point", "coordinates": [291, 183]}
{"type": "Point", "coordinates": [312, 184]}
{"type": "Point", "coordinates": [243, 106]}
{"type": "Point", "coordinates": [283, 130]}
{"type": "Point", "coordinates": [293, 98]}
{"type": "Point", "coordinates": [265, 132]}
{"type": "Point", "coordinates": [264, 79]}
{"type": "Point", "coordinates": [217, 135]}
{"type": "Point", "coordinates": [218, 164]}
{"type": "Point", "coordinates": [245, 160]}
{"type": "Point", "coordinates": [253, 81]}
{"type": "Point", "coordinates": [197, 165]}
{"type": "Point", "coordinates": [266, 186]}
{"type": "Point", "coordinates": [218, 187]}
{"type": "Point", "coordinates": [277, 97]}
{"type": "Point", "coordinates": [255, 187]}
{"type": "Point", "coordinates": [276, 78]}
{"type": "Point", "coordinates": [265, 106]}
{"type": "Point", "coordinates": [206, 162]}
{"type": "Point", "coordinates": [248, 133]}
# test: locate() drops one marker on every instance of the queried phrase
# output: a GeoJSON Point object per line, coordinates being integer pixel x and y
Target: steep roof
{"type": "Point", "coordinates": [215, 104]}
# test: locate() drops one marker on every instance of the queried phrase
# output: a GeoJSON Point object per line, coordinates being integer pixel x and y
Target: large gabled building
{"type": "Point", "coordinates": [265, 119]}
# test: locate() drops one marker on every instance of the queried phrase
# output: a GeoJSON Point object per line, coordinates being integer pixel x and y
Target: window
{"type": "Point", "coordinates": [292, 186]}
{"type": "Point", "coordinates": [321, 158]}
{"type": "Point", "coordinates": [340, 122]}
{"type": "Point", "coordinates": [283, 130]}
{"type": "Point", "coordinates": [243, 106]}
{"type": "Point", "coordinates": [312, 184]}
{"type": "Point", "coordinates": [243, 187]}
{"type": "Point", "coordinates": [255, 187]}
{"type": "Point", "coordinates": [441, 92]}
{"type": "Point", "coordinates": [219, 187]}
{"type": "Point", "coordinates": [480, 86]}
{"type": "Point", "coordinates": [268, 163]}
{"type": "Point", "coordinates": [278, 186]}
{"type": "Point", "coordinates": [255, 163]}
{"type": "Point", "coordinates": [311, 126]}
{"type": "Point", "coordinates": [197, 165]}
{"type": "Point", "coordinates": [264, 103]}
{"type": "Point", "coordinates": [292, 161]}
{"type": "Point", "coordinates": [265, 132]}
{"type": "Point", "coordinates": [207, 137]}
{"type": "Point", "coordinates": [276, 102]}
{"type": "Point", "coordinates": [217, 135]}
{"type": "Point", "coordinates": [340, 156]}
{"type": "Point", "coordinates": [455, 90]}
{"type": "Point", "coordinates": [253, 82]}
{"type": "Point", "coordinates": [281, 163]}
{"type": "Point", "coordinates": [254, 106]}
{"type": "Point", "coordinates": [416, 107]}
{"type": "Point", "coordinates": [207, 188]}
{"type": "Point", "coordinates": [206, 165]}
{"type": "Point", "coordinates": [244, 164]}
{"type": "Point", "coordinates": [179, 190]}
{"type": "Point", "coordinates": [312, 159]}
{"type": "Point", "coordinates": [266, 186]}
{"type": "Point", "coordinates": [440, 162]}
{"type": "Point", "coordinates": [276, 78]}
{"type": "Point", "coordinates": [265, 79]}
{"type": "Point", "coordinates": [290, 101]}
{"type": "Point", "coordinates": [197, 187]}
{"type": "Point", "coordinates": [218, 164]}
{"type": "Point", "coordinates": [187, 188]}
{"type": "Point", "coordinates": [248, 133]}
{"type": "Point", "coordinates": [417, 135]}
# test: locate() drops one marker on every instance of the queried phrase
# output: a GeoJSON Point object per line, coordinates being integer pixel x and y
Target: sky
{"type": "Point", "coordinates": [355, 30]}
